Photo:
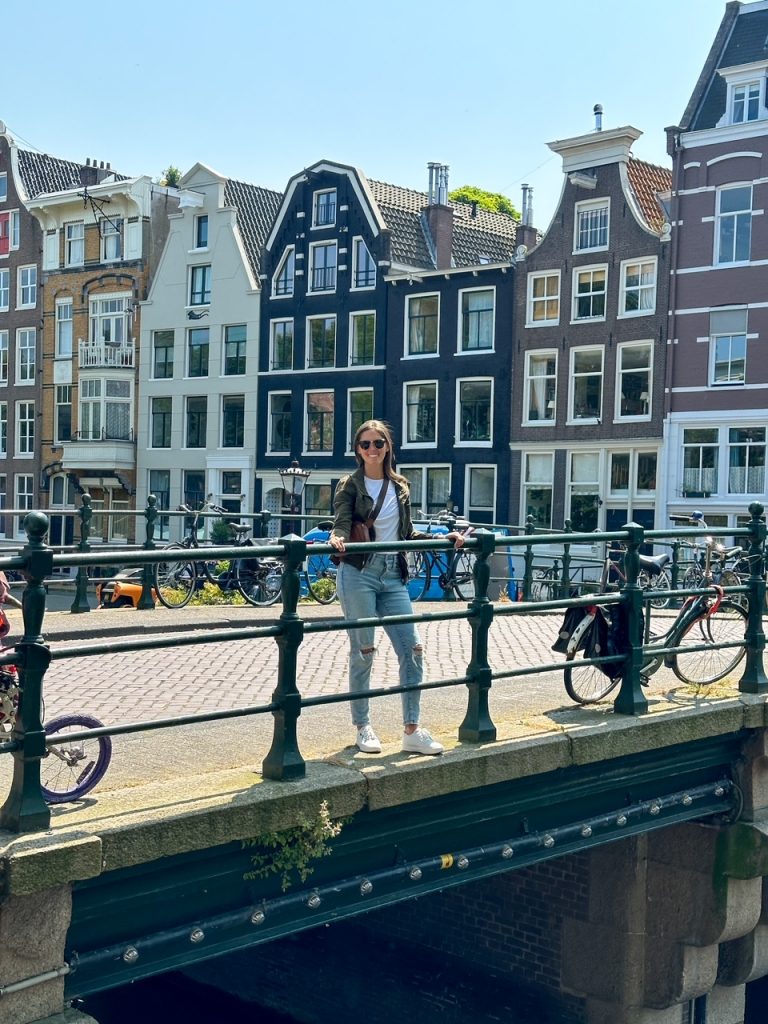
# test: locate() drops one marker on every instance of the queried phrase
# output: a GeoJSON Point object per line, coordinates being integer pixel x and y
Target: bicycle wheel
{"type": "Point", "coordinates": [586, 684]}
{"type": "Point", "coordinates": [727, 624]}
{"type": "Point", "coordinates": [658, 582]}
{"type": "Point", "coordinates": [462, 577]}
{"type": "Point", "coordinates": [728, 578]}
{"type": "Point", "coordinates": [70, 770]}
{"type": "Point", "coordinates": [419, 574]}
{"type": "Point", "coordinates": [320, 573]}
{"type": "Point", "coordinates": [175, 582]}
{"type": "Point", "coordinates": [259, 581]}
{"type": "Point", "coordinates": [543, 585]}
{"type": "Point", "coordinates": [692, 578]}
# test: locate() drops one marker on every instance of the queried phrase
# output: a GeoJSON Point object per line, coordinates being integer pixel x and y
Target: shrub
{"type": "Point", "coordinates": [290, 851]}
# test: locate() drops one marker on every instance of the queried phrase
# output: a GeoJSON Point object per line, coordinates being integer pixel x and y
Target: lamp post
{"type": "Point", "coordinates": [294, 481]}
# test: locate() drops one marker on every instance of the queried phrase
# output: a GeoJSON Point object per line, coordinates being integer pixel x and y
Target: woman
{"type": "Point", "coordinates": [372, 585]}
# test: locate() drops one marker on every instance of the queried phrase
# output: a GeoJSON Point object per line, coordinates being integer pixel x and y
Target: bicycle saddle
{"type": "Point", "coordinates": [653, 566]}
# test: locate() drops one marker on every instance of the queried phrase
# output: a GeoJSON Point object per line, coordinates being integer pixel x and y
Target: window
{"type": "Point", "coordinates": [282, 345]}
{"type": "Point", "coordinates": [728, 346]}
{"type": "Point", "coordinates": [3, 187]}
{"type": "Point", "coordinates": [363, 336]}
{"type": "Point", "coordinates": [477, 319]}
{"type": "Point", "coordinates": [633, 385]}
{"type": "Point", "coordinates": [194, 487]}
{"type": "Point", "coordinates": [15, 223]}
{"type": "Point", "coordinates": [3, 428]}
{"type": "Point", "coordinates": [589, 288]}
{"type": "Point", "coordinates": [198, 343]}
{"type": "Point", "coordinates": [63, 413]}
{"type": "Point", "coordinates": [200, 286]}
{"type": "Point", "coordinates": [591, 225]}
{"type": "Point", "coordinates": [481, 492]}
{"type": "Point", "coordinates": [25, 428]}
{"type": "Point", "coordinates": [232, 490]}
{"type": "Point", "coordinates": [360, 405]}
{"type": "Point", "coordinates": [622, 464]}
{"type": "Point", "coordinates": [637, 296]}
{"type": "Point", "coordinates": [541, 387]}
{"type": "Point", "coordinates": [700, 454]}
{"type": "Point", "coordinates": [746, 460]}
{"type": "Point", "coordinates": [5, 236]}
{"type": "Point", "coordinates": [232, 421]}
{"type": "Point", "coordinates": [320, 421]}
{"type": "Point", "coordinates": [162, 355]}
{"type": "Point", "coordinates": [110, 320]}
{"type": "Point", "coordinates": [3, 504]}
{"type": "Point", "coordinates": [74, 244]}
{"type": "Point", "coordinates": [283, 280]}
{"type": "Point", "coordinates": [197, 421]}
{"type": "Point", "coordinates": [160, 486]}
{"type": "Point", "coordinates": [3, 357]}
{"type": "Point", "coordinates": [321, 348]}
{"type": "Point", "coordinates": [117, 410]}
{"type": "Point", "coordinates": [105, 409]}
{"type": "Point", "coordinates": [421, 413]}
{"type": "Point", "coordinates": [26, 295]}
{"type": "Point", "coordinates": [430, 487]}
{"type": "Point", "coordinates": [279, 422]}
{"type": "Point", "coordinates": [64, 329]}
{"type": "Point", "coordinates": [234, 350]}
{"type": "Point", "coordinates": [734, 224]}
{"type": "Point", "coordinates": [584, 491]}
{"type": "Point", "coordinates": [162, 416]}
{"type": "Point", "coordinates": [745, 103]}
{"type": "Point", "coordinates": [475, 402]}
{"type": "Point", "coordinates": [363, 267]}
{"type": "Point", "coordinates": [646, 471]}
{"type": "Point", "coordinates": [543, 299]}
{"type": "Point", "coordinates": [322, 267]}
{"type": "Point", "coordinates": [318, 500]}
{"type": "Point", "coordinates": [26, 345]}
{"type": "Point", "coordinates": [119, 526]}
{"type": "Point", "coordinates": [23, 499]}
{"type": "Point", "coordinates": [586, 384]}
{"type": "Point", "coordinates": [324, 208]}
{"type": "Point", "coordinates": [537, 497]}
{"type": "Point", "coordinates": [111, 239]}
{"type": "Point", "coordinates": [201, 231]}
{"type": "Point", "coordinates": [422, 312]}
{"type": "Point", "coordinates": [5, 289]}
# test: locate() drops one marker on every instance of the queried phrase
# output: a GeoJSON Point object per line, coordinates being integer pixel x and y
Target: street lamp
{"type": "Point", "coordinates": [294, 480]}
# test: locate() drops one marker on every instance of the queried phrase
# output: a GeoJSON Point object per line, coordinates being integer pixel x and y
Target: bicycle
{"type": "Point", "coordinates": [706, 621]}
{"type": "Point", "coordinates": [319, 571]}
{"type": "Point", "coordinates": [452, 570]}
{"type": "Point", "coordinates": [259, 580]}
{"type": "Point", "coordinates": [652, 577]}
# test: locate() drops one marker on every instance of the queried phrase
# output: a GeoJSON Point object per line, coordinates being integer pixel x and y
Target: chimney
{"type": "Point", "coordinates": [597, 110]}
{"type": "Point", "coordinates": [440, 215]}
{"type": "Point", "coordinates": [526, 232]}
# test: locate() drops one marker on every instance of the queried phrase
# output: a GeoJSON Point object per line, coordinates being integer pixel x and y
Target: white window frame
{"type": "Point", "coordinates": [349, 432]}
{"type": "Point", "coordinates": [469, 508]}
{"type": "Point", "coordinates": [198, 221]}
{"type": "Point", "coordinates": [746, 88]}
{"type": "Point", "coordinates": [3, 430]}
{"type": "Point", "coordinates": [405, 442]}
{"type": "Point", "coordinates": [701, 469]}
{"type": "Point", "coordinates": [25, 414]}
{"type": "Point", "coordinates": [74, 244]}
{"type": "Point", "coordinates": [640, 261]}
{"type": "Point", "coordinates": [3, 187]}
{"type": "Point", "coordinates": [172, 346]}
{"type": "Point", "coordinates": [586, 207]}
{"type": "Point", "coordinates": [730, 383]}
{"type": "Point", "coordinates": [5, 290]}
{"type": "Point", "coordinates": [358, 243]}
{"type": "Point", "coordinates": [407, 354]}
{"type": "Point", "coordinates": [290, 251]}
{"type": "Point", "coordinates": [29, 271]}
{"type": "Point", "coordinates": [111, 228]}
{"type": "Point", "coordinates": [570, 484]}
{"type": "Point", "coordinates": [458, 443]}
{"type": "Point", "coordinates": [531, 301]}
{"type": "Point", "coordinates": [271, 395]}
{"type": "Point", "coordinates": [748, 446]}
{"type": "Point", "coordinates": [26, 364]}
{"type": "Point", "coordinates": [23, 499]}
{"type": "Point", "coordinates": [225, 400]}
{"type": "Point", "coordinates": [527, 484]}
{"type": "Point", "coordinates": [572, 418]}
{"type": "Point", "coordinates": [546, 421]}
{"type": "Point", "coordinates": [720, 218]}
{"type": "Point", "coordinates": [742, 76]}
{"type": "Point", "coordinates": [151, 446]}
{"type": "Point", "coordinates": [591, 269]}
{"type": "Point", "coordinates": [316, 205]}
{"type": "Point", "coordinates": [358, 314]}
{"type": "Point", "coordinates": [59, 392]}
{"type": "Point", "coordinates": [621, 348]}
{"type": "Point", "coordinates": [308, 342]}
{"type": "Point", "coordinates": [14, 230]}
{"type": "Point", "coordinates": [63, 304]}
{"type": "Point", "coordinates": [424, 469]}
{"type": "Point", "coordinates": [273, 325]}
{"type": "Point", "coordinates": [485, 349]}
{"type": "Point", "coordinates": [321, 452]}
{"type": "Point", "coordinates": [119, 317]}
{"type": "Point", "coordinates": [327, 246]}
{"type": "Point", "coordinates": [4, 357]}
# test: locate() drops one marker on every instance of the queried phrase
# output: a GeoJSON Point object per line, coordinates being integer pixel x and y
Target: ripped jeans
{"type": "Point", "coordinates": [377, 589]}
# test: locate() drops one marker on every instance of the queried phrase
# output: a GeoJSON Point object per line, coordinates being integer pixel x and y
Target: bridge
{"type": "Point", "coordinates": [643, 832]}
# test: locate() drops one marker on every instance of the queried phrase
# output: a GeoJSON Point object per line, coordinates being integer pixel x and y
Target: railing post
{"type": "Point", "coordinates": [675, 602]}
{"type": "Point", "coordinates": [528, 559]}
{"type": "Point", "coordinates": [754, 679]}
{"type": "Point", "coordinates": [565, 582]}
{"type": "Point", "coordinates": [80, 603]}
{"type": "Point", "coordinates": [266, 518]}
{"type": "Point", "coordinates": [146, 602]}
{"type": "Point", "coordinates": [25, 810]}
{"type": "Point", "coordinates": [631, 699]}
{"type": "Point", "coordinates": [284, 760]}
{"type": "Point", "coordinates": [477, 725]}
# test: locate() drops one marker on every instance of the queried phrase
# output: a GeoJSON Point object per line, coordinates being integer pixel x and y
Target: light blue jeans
{"type": "Point", "coordinates": [377, 589]}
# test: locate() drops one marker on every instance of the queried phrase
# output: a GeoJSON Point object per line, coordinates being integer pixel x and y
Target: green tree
{"type": "Point", "coordinates": [493, 201]}
{"type": "Point", "coordinates": [171, 176]}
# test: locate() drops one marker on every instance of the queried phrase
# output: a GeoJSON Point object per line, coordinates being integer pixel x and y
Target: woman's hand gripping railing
{"type": "Point", "coordinates": [631, 699]}
{"type": "Point", "coordinates": [754, 679]}
{"type": "Point", "coordinates": [25, 810]}
{"type": "Point", "coordinates": [284, 760]}
{"type": "Point", "coordinates": [477, 725]}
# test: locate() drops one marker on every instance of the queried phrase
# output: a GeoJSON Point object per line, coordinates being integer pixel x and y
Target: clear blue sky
{"type": "Point", "coordinates": [259, 91]}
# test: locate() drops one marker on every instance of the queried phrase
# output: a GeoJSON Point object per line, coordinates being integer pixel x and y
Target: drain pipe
{"type": "Point", "coordinates": [36, 979]}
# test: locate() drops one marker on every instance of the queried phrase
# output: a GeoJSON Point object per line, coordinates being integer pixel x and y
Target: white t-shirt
{"type": "Point", "coordinates": [387, 523]}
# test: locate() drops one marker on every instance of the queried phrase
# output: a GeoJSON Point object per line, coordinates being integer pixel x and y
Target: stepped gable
{"type": "Point", "coordinates": [485, 237]}
{"type": "Point", "coordinates": [647, 181]}
{"type": "Point", "coordinates": [256, 208]}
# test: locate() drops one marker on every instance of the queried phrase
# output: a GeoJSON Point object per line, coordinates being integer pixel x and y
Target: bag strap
{"type": "Point", "coordinates": [379, 503]}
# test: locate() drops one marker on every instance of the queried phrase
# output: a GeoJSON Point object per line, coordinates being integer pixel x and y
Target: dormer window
{"type": "Point", "coordinates": [283, 279]}
{"type": "Point", "coordinates": [324, 209]}
{"type": "Point", "coordinates": [363, 267]}
{"type": "Point", "coordinates": [745, 98]}
{"type": "Point", "coordinates": [745, 103]}
{"type": "Point", "coordinates": [591, 225]}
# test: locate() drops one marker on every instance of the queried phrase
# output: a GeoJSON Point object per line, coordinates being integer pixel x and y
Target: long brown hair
{"type": "Point", "coordinates": [383, 430]}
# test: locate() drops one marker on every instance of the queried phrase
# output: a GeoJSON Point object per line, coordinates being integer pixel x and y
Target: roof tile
{"type": "Point", "coordinates": [256, 211]}
{"type": "Point", "coordinates": [647, 181]}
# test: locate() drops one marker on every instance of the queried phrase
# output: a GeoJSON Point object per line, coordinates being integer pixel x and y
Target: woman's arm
{"type": "Point", "coordinates": [343, 507]}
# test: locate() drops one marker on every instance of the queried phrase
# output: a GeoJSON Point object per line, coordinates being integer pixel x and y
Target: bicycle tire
{"type": "Point", "coordinates": [419, 574]}
{"type": "Point", "coordinates": [659, 582]}
{"type": "Point", "coordinates": [543, 585]}
{"type": "Point", "coordinates": [692, 578]}
{"type": "Point", "coordinates": [462, 575]}
{"type": "Point", "coordinates": [699, 668]}
{"type": "Point", "coordinates": [260, 585]}
{"type": "Point", "coordinates": [586, 684]}
{"type": "Point", "coordinates": [320, 574]}
{"type": "Point", "coordinates": [67, 774]}
{"type": "Point", "coordinates": [728, 578]}
{"type": "Point", "coordinates": [175, 582]}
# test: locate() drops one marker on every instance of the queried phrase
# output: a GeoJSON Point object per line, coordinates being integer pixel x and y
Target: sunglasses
{"type": "Point", "coordinates": [378, 443]}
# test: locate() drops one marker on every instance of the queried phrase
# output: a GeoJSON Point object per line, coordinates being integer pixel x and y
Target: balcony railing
{"type": "Point", "coordinates": [119, 355]}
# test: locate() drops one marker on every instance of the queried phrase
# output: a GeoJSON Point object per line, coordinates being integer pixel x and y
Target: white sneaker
{"type": "Point", "coordinates": [367, 740]}
{"type": "Point", "coordinates": [420, 742]}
